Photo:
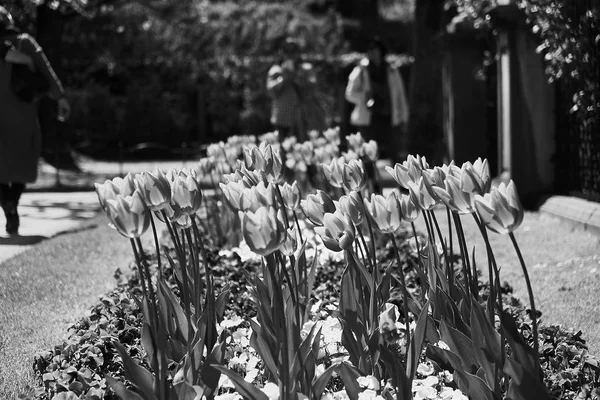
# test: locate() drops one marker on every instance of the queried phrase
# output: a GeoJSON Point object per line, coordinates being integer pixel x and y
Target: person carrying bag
{"type": "Point", "coordinates": [25, 75]}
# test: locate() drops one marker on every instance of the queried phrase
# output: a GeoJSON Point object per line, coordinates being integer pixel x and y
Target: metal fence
{"type": "Point", "coordinates": [578, 139]}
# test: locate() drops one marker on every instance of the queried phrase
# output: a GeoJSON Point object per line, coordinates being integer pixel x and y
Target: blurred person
{"type": "Point", "coordinates": [291, 84]}
{"type": "Point", "coordinates": [20, 137]}
{"type": "Point", "coordinates": [381, 109]}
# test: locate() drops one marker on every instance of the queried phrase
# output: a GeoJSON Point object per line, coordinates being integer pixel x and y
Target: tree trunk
{"type": "Point", "coordinates": [425, 130]}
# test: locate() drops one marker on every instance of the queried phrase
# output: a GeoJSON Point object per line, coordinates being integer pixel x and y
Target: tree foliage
{"type": "Point", "coordinates": [569, 41]}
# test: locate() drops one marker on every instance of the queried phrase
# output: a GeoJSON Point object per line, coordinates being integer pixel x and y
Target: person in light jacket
{"type": "Point", "coordinates": [20, 137]}
{"type": "Point", "coordinates": [381, 109]}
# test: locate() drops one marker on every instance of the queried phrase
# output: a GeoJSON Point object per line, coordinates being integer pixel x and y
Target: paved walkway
{"type": "Point", "coordinates": [45, 215]}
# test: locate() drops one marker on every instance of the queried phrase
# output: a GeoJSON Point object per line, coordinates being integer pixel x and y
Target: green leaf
{"type": "Point", "coordinates": [221, 302]}
{"type": "Point", "coordinates": [417, 342]}
{"type": "Point", "coordinates": [319, 384]}
{"type": "Point", "coordinates": [521, 352]}
{"type": "Point", "coordinates": [349, 374]}
{"type": "Point", "coordinates": [121, 390]}
{"type": "Point", "coordinates": [185, 391]}
{"type": "Point", "coordinates": [460, 345]}
{"type": "Point", "coordinates": [139, 376]}
{"type": "Point", "coordinates": [266, 352]}
{"type": "Point", "coordinates": [487, 345]}
{"type": "Point", "coordinates": [476, 387]}
{"type": "Point", "coordinates": [210, 375]}
{"type": "Point", "coordinates": [396, 372]}
{"type": "Point", "coordinates": [523, 385]}
{"type": "Point", "coordinates": [245, 389]}
{"type": "Point", "coordinates": [175, 313]}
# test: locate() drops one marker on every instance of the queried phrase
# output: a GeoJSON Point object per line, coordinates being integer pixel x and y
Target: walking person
{"type": "Point", "coordinates": [25, 75]}
{"type": "Point", "coordinates": [380, 106]}
{"type": "Point", "coordinates": [291, 84]}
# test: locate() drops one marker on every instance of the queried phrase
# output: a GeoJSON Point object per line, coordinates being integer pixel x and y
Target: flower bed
{"type": "Point", "coordinates": [328, 296]}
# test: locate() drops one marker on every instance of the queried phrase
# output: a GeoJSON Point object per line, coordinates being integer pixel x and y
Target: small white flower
{"type": "Point", "coordinates": [271, 390]}
{"type": "Point", "coordinates": [368, 382]}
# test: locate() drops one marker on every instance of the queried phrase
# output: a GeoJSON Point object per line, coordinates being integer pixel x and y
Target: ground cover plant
{"type": "Point", "coordinates": [400, 315]}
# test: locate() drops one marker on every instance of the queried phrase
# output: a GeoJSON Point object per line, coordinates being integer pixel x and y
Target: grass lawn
{"type": "Point", "coordinates": [563, 264]}
{"type": "Point", "coordinates": [46, 289]}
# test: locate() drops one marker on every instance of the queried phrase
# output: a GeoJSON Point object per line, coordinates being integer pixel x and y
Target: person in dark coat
{"type": "Point", "coordinates": [20, 137]}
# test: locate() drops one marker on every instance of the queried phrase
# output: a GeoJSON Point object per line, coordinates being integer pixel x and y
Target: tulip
{"type": "Point", "coordinates": [258, 196]}
{"type": "Point", "coordinates": [476, 178]}
{"type": "Point", "coordinates": [332, 135]}
{"type": "Point", "coordinates": [355, 141]}
{"type": "Point", "coordinates": [500, 210]}
{"type": "Point", "coordinates": [307, 151]}
{"type": "Point", "coordinates": [290, 244]}
{"type": "Point", "coordinates": [186, 196]}
{"type": "Point", "coordinates": [421, 196]}
{"type": "Point", "coordinates": [316, 205]}
{"type": "Point", "coordinates": [371, 150]}
{"type": "Point", "coordinates": [128, 214]}
{"type": "Point", "coordinates": [334, 171]}
{"type": "Point", "coordinates": [409, 171]}
{"type": "Point", "coordinates": [111, 188]}
{"type": "Point", "coordinates": [290, 195]}
{"type": "Point", "coordinates": [457, 200]}
{"type": "Point", "coordinates": [262, 230]}
{"type": "Point", "coordinates": [337, 231]}
{"type": "Point", "coordinates": [169, 212]}
{"type": "Point", "coordinates": [351, 205]}
{"type": "Point", "coordinates": [384, 212]}
{"type": "Point", "coordinates": [155, 189]}
{"type": "Point", "coordinates": [409, 209]}
{"type": "Point", "coordinates": [354, 176]}
{"type": "Point", "coordinates": [233, 192]}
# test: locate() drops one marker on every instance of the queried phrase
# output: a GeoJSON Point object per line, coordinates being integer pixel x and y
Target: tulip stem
{"type": "Point", "coordinates": [444, 248]}
{"type": "Point", "coordinates": [298, 226]}
{"type": "Point", "coordinates": [152, 319]}
{"type": "Point", "coordinates": [466, 264]}
{"type": "Point", "coordinates": [530, 292]}
{"type": "Point", "coordinates": [364, 245]}
{"type": "Point", "coordinates": [492, 270]}
{"type": "Point", "coordinates": [156, 244]}
{"type": "Point", "coordinates": [405, 300]}
{"type": "Point", "coordinates": [451, 253]}
{"type": "Point", "coordinates": [374, 254]}
{"type": "Point", "coordinates": [283, 208]}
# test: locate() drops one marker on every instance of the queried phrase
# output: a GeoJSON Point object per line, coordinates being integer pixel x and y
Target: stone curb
{"type": "Point", "coordinates": [579, 212]}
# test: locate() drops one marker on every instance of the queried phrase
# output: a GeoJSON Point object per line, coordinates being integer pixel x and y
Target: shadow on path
{"type": "Point", "coordinates": [18, 240]}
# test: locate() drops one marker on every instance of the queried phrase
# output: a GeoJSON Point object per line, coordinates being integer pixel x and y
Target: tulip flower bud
{"type": "Point", "coordinates": [351, 205]}
{"type": "Point", "coordinates": [457, 200]}
{"type": "Point", "coordinates": [128, 214]}
{"type": "Point", "coordinates": [334, 171]}
{"type": "Point", "coordinates": [186, 196]}
{"type": "Point", "coordinates": [332, 135]}
{"type": "Point", "coordinates": [371, 150]}
{"type": "Point", "coordinates": [316, 205]}
{"type": "Point", "coordinates": [111, 188]}
{"type": "Point", "coordinates": [409, 171]}
{"type": "Point", "coordinates": [421, 196]}
{"type": "Point", "coordinates": [290, 244]}
{"type": "Point", "coordinates": [355, 141]}
{"type": "Point", "coordinates": [233, 192]}
{"type": "Point", "coordinates": [384, 212]}
{"type": "Point", "coordinates": [155, 189]}
{"type": "Point", "coordinates": [337, 231]}
{"type": "Point", "coordinates": [500, 210]}
{"type": "Point", "coordinates": [290, 195]}
{"type": "Point", "coordinates": [476, 178]}
{"type": "Point", "coordinates": [262, 230]}
{"type": "Point", "coordinates": [409, 210]}
{"type": "Point", "coordinates": [354, 176]}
